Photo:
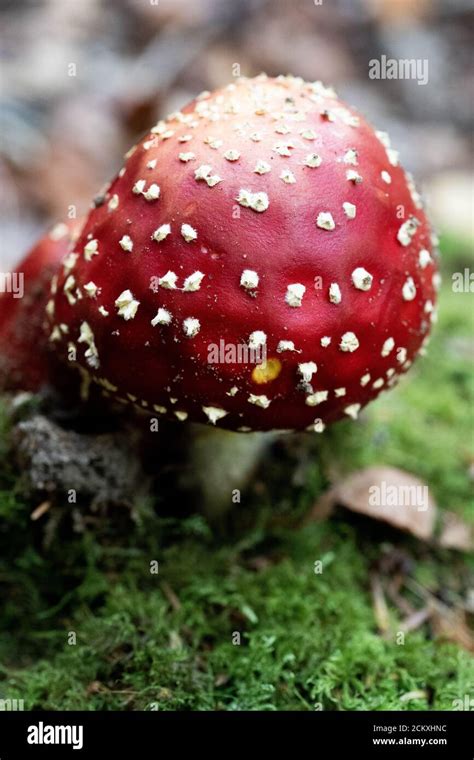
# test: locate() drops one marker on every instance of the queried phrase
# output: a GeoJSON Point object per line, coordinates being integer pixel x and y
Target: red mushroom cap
{"type": "Point", "coordinates": [267, 215]}
{"type": "Point", "coordinates": [24, 358]}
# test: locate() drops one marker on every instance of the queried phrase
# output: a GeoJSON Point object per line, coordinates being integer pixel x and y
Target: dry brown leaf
{"type": "Point", "coordinates": [387, 494]}
{"type": "Point", "coordinates": [451, 625]}
{"type": "Point", "coordinates": [455, 533]}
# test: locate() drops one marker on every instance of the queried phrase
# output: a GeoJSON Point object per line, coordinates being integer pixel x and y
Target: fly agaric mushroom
{"type": "Point", "coordinates": [269, 215]}
{"type": "Point", "coordinates": [265, 217]}
{"type": "Point", "coordinates": [24, 359]}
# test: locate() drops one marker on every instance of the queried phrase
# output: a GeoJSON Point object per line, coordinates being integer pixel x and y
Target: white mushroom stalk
{"type": "Point", "coordinates": [221, 466]}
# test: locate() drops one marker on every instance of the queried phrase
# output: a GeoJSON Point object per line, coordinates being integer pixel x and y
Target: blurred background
{"type": "Point", "coordinates": [80, 81]}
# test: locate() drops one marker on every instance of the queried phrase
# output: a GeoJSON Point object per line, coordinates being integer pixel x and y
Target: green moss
{"type": "Point", "coordinates": [308, 640]}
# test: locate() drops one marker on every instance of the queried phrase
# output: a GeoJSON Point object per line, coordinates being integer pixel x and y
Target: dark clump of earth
{"type": "Point", "coordinates": [55, 461]}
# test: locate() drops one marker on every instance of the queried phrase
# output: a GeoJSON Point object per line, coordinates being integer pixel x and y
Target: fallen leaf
{"type": "Point", "coordinates": [447, 623]}
{"type": "Point", "coordinates": [455, 533]}
{"type": "Point", "coordinates": [387, 494]}
{"type": "Point", "coordinates": [451, 625]}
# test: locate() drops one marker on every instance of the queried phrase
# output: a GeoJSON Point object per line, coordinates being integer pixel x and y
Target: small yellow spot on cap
{"type": "Point", "coordinates": [266, 372]}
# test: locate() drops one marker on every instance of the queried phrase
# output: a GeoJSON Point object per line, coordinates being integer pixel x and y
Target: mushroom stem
{"type": "Point", "coordinates": [222, 463]}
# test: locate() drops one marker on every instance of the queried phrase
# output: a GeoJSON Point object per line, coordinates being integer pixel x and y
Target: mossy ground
{"type": "Point", "coordinates": [307, 640]}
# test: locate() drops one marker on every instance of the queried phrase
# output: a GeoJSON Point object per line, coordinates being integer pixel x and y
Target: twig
{"type": "Point", "coordinates": [171, 596]}
{"type": "Point", "coordinates": [40, 510]}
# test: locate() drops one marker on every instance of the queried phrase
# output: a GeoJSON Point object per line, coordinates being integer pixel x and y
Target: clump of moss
{"type": "Point", "coordinates": [209, 631]}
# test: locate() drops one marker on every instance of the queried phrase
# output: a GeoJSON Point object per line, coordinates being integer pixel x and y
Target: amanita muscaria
{"type": "Point", "coordinates": [267, 213]}
{"type": "Point", "coordinates": [24, 359]}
